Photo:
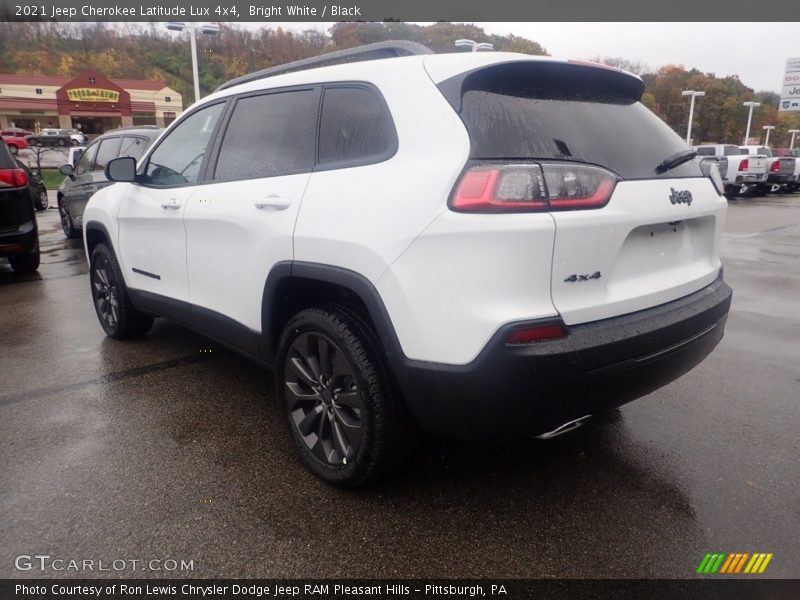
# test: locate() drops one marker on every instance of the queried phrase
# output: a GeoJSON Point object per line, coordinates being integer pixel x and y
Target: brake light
{"type": "Point", "coordinates": [538, 333]}
{"type": "Point", "coordinates": [775, 166]}
{"type": "Point", "coordinates": [532, 187]}
{"type": "Point", "coordinates": [13, 177]}
{"type": "Point", "coordinates": [744, 164]}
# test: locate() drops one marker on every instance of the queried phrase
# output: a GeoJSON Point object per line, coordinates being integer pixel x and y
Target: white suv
{"type": "Point", "coordinates": [482, 244]}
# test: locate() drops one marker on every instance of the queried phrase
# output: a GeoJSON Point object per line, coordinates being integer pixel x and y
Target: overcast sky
{"type": "Point", "coordinates": [756, 52]}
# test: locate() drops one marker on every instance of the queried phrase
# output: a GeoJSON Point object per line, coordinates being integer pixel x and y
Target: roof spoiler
{"type": "Point", "coordinates": [378, 50]}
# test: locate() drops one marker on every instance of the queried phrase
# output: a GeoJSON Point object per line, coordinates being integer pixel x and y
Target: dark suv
{"type": "Point", "coordinates": [87, 176]}
{"type": "Point", "coordinates": [19, 234]}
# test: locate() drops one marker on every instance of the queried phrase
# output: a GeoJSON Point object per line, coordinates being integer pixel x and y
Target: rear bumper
{"type": "Point", "coordinates": [23, 239]}
{"type": "Point", "coordinates": [513, 391]}
{"type": "Point", "coordinates": [751, 178]}
{"type": "Point", "coordinates": [777, 178]}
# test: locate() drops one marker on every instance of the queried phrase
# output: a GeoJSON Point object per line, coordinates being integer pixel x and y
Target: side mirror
{"type": "Point", "coordinates": [121, 169]}
{"type": "Point", "coordinates": [67, 170]}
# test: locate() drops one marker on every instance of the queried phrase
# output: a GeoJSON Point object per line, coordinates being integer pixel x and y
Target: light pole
{"type": "Point", "coordinates": [767, 128]}
{"type": "Point", "coordinates": [208, 29]}
{"type": "Point", "coordinates": [793, 132]}
{"type": "Point", "coordinates": [693, 95]}
{"type": "Point", "coordinates": [462, 43]}
{"type": "Point", "coordinates": [752, 105]}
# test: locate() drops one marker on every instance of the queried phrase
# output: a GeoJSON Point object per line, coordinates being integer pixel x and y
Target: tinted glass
{"type": "Point", "coordinates": [566, 112]}
{"type": "Point", "coordinates": [732, 150]}
{"type": "Point", "coordinates": [132, 146]}
{"type": "Point", "coordinates": [269, 135]}
{"type": "Point", "coordinates": [765, 151]}
{"type": "Point", "coordinates": [354, 128]}
{"type": "Point", "coordinates": [87, 159]}
{"type": "Point", "coordinates": [109, 150]}
{"type": "Point", "coordinates": [705, 151]}
{"type": "Point", "coordinates": [6, 160]}
{"type": "Point", "coordinates": [178, 158]}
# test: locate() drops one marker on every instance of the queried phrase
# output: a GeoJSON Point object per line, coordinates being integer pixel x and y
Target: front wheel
{"type": "Point", "coordinates": [343, 411]}
{"type": "Point", "coordinates": [13, 149]}
{"type": "Point", "coordinates": [67, 224]}
{"type": "Point", "coordinates": [115, 311]}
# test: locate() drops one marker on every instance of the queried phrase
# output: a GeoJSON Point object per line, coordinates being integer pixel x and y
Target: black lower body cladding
{"type": "Point", "coordinates": [517, 391]}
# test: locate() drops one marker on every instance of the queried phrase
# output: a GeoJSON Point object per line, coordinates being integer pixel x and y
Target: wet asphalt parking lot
{"type": "Point", "coordinates": [171, 447]}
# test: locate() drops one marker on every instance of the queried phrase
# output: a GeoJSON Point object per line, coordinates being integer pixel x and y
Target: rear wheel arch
{"type": "Point", "coordinates": [293, 286]}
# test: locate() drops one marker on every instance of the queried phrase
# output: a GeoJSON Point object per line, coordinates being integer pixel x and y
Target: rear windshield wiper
{"type": "Point", "coordinates": [675, 160]}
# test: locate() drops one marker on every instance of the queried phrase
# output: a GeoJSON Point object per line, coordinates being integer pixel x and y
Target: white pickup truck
{"type": "Point", "coordinates": [780, 169]}
{"type": "Point", "coordinates": [741, 172]}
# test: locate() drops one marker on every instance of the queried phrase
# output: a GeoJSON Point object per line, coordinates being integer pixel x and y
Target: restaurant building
{"type": "Point", "coordinates": [89, 102]}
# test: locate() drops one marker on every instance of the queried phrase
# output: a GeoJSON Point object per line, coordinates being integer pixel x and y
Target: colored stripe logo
{"type": "Point", "coordinates": [733, 563]}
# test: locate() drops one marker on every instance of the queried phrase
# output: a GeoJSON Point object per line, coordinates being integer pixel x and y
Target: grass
{"type": "Point", "coordinates": [52, 178]}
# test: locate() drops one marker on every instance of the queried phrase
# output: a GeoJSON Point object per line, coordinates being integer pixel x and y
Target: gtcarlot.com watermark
{"type": "Point", "coordinates": [47, 563]}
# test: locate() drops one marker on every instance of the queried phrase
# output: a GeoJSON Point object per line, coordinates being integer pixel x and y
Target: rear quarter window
{"type": "Point", "coordinates": [355, 128]}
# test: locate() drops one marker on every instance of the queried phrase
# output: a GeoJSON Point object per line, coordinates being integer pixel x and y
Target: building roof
{"type": "Point", "coordinates": [125, 84]}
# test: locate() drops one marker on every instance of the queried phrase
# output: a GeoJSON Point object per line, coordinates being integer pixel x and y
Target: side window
{"type": "Point", "coordinates": [354, 128]}
{"type": "Point", "coordinates": [269, 135]}
{"type": "Point", "coordinates": [109, 150]}
{"type": "Point", "coordinates": [86, 160]}
{"type": "Point", "coordinates": [132, 146]}
{"type": "Point", "coordinates": [178, 157]}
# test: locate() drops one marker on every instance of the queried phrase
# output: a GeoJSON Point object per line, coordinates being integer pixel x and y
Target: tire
{"type": "Point", "coordinates": [42, 202]}
{"type": "Point", "coordinates": [26, 263]}
{"type": "Point", "coordinates": [61, 142]}
{"type": "Point", "coordinates": [343, 410]}
{"type": "Point", "coordinates": [13, 149]}
{"type": "Point", "coordinates": [117, 315]}
{"type": "Point", "coordinates": [67, 223]}
{"type": "Point", "coordinates": [75, 142]}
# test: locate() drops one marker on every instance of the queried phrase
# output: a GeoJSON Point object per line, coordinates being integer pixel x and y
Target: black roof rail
{"type": "Point", "coordinates": [378, 50]}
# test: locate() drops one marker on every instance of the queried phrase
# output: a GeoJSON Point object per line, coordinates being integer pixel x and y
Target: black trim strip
{"type": "Point", "coordinates": [146, 273]}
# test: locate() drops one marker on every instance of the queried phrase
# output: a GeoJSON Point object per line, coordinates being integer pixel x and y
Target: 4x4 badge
{"type": "Point", "coordinates": [575, 277]}
{"type": "Point", "coordinates": [682, 197]}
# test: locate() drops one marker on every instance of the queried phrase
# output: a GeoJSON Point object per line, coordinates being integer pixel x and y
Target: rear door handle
{"type": "Point", "coordinates": [171, 205]}
{"type": "Point", "coordinates": [273, 201]}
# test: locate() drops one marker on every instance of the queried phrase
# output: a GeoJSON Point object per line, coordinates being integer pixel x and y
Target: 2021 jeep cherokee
{"type": "Point", "coordinates": [492, 244]}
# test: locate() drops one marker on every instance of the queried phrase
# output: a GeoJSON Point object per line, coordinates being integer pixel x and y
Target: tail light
{"type": "Point", "coordinates": [536, 333]}
{"type": "Point", "coordinates": [744, 164]}
{"type": "Point", "coordinates": [775, 166]}
{"type": "Point", "coordinates": [13, 178]}
{"type": "Point", "coordinates": [532, 187]}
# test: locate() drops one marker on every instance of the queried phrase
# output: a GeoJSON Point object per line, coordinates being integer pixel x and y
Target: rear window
{"type": "Point", "coordinates": [269, 135]}
{"type": "Point", "coordinates": [765, 151]}
{"type": "Point", "coordinates": [731, 150]}
{"type": "Point", "coordinates": [6, 160]}
{"type": "Point", "coordinates": [557, 111]}
{"type": "Point", "coordinates": [705, 151]}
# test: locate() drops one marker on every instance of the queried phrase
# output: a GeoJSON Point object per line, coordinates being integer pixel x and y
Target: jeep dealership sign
{"type": "Point", "coordinates": [790, 93]}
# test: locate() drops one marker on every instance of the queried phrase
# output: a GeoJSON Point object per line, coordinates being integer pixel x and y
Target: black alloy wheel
{"type": "Point", "coordinates": [323, 399]}
{"type": "Point", "coordinates": [43, 202]}
{"type": "Point", "coordinates": [105, 293]}
{"type": "Point", "coordinates": [118, 316]}
{"type": "Point", "coordinates": [67, 225]}
{"type": "Point", "coordinates": [344, 412]}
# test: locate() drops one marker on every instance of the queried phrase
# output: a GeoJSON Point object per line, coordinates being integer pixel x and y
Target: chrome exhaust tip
{"type": "Point", "coordinates": [565, 428]}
